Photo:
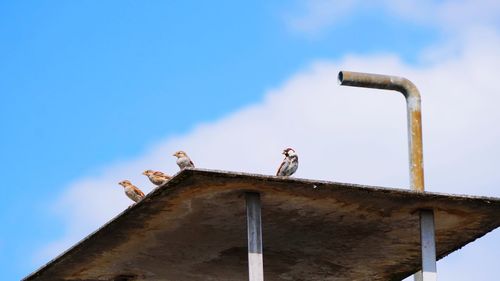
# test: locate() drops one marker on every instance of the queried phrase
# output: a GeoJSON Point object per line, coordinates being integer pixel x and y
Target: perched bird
{"type": "Point", "coordinates": [289, 164]}
{"type": "Point", "coordinates": [132, 191]}
{"type": "Point", "coordinates": [183, 160]}
{"type": "Point", "coordinates": [157, 177]}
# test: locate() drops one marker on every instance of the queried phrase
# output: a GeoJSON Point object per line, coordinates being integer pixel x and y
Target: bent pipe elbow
{"type": "Point", "coordinates": [386, 82]}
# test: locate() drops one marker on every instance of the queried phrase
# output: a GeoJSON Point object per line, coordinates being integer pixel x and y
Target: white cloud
{"type": "Point", "coordinates": [341, 134]}
{"type": "Point", "coordinates": [314, 16]}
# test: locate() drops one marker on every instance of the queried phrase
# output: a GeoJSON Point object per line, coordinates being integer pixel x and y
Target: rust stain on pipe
{"type": "Point", "coordinates": [413, 106]}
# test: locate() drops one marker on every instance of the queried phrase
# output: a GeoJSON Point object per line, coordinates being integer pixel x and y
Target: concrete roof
{"type": "Point", "coordinates": [194, 228]}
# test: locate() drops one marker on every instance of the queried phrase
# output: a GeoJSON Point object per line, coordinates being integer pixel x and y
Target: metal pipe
{"type": "Point", "coordinates": [254, 231]}
{"type": "Point", "coordinates": [413, 108]}
{"type": "Point", "coordinates": [412, 95]}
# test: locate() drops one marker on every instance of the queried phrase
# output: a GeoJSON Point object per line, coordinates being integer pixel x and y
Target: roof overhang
{"type": "Point", "coordinates": [194, 228]}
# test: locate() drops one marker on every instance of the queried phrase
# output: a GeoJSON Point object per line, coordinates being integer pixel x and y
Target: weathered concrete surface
{"type": "Point", "coordinates": [194, 228]}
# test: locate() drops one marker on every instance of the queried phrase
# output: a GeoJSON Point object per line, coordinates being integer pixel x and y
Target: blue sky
{"type": "Point", "coordinates": [91, 84]}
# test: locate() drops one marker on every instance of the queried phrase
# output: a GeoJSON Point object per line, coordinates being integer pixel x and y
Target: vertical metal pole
{"type": "Point", "coordinates": [413, 106]}
{"type": "Point", "coordinates": [428, 244]}
{"type": "Point", "coordinates": [254, 230]}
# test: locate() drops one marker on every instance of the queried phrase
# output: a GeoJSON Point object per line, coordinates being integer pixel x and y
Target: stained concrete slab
{"type": "Point", "coordinates": [194, 228]}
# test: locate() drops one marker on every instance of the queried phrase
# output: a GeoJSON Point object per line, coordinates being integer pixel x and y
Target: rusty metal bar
{"type": "Point", "coordinates": [413, 108]}
{"type": "Point", "coordinates": [254, 230]}
{"type": "Point", "coordinates": [412, 95]}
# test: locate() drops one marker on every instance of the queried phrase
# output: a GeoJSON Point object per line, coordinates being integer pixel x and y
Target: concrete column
{"type": "Point", "coordinates": [254, 230]}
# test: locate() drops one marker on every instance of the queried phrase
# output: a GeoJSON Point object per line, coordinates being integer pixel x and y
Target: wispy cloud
{"type": "Point", "coordinates": [342, 134]}
{"type": "Point", "coordinates": [315, 16]}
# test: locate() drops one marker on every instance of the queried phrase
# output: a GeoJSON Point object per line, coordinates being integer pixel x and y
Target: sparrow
{"type": "Point", "coordinates": [289, 164]}
{"type": "Point", "coordinates": [132, 191]}
{"type": "Point", "coordinates": [183, 160]}
{"type": "Point", "coordinates": [157, 177]}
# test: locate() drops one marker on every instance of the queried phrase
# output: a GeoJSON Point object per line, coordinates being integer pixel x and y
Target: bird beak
{"type": "Point", "coordinates": [144, 173]}
{"type": "Point", "coordinates": [174, 154]}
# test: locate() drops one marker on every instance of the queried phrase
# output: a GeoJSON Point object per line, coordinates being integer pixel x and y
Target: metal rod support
{"type": "Point", "coordinates": [428, 244]}
{"type": "Point", "coordinates": [412, 95]}
{"type": "Point", "coordinates": [254, 230]}
{"type": "Point", "coordinates": [413, 108]}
